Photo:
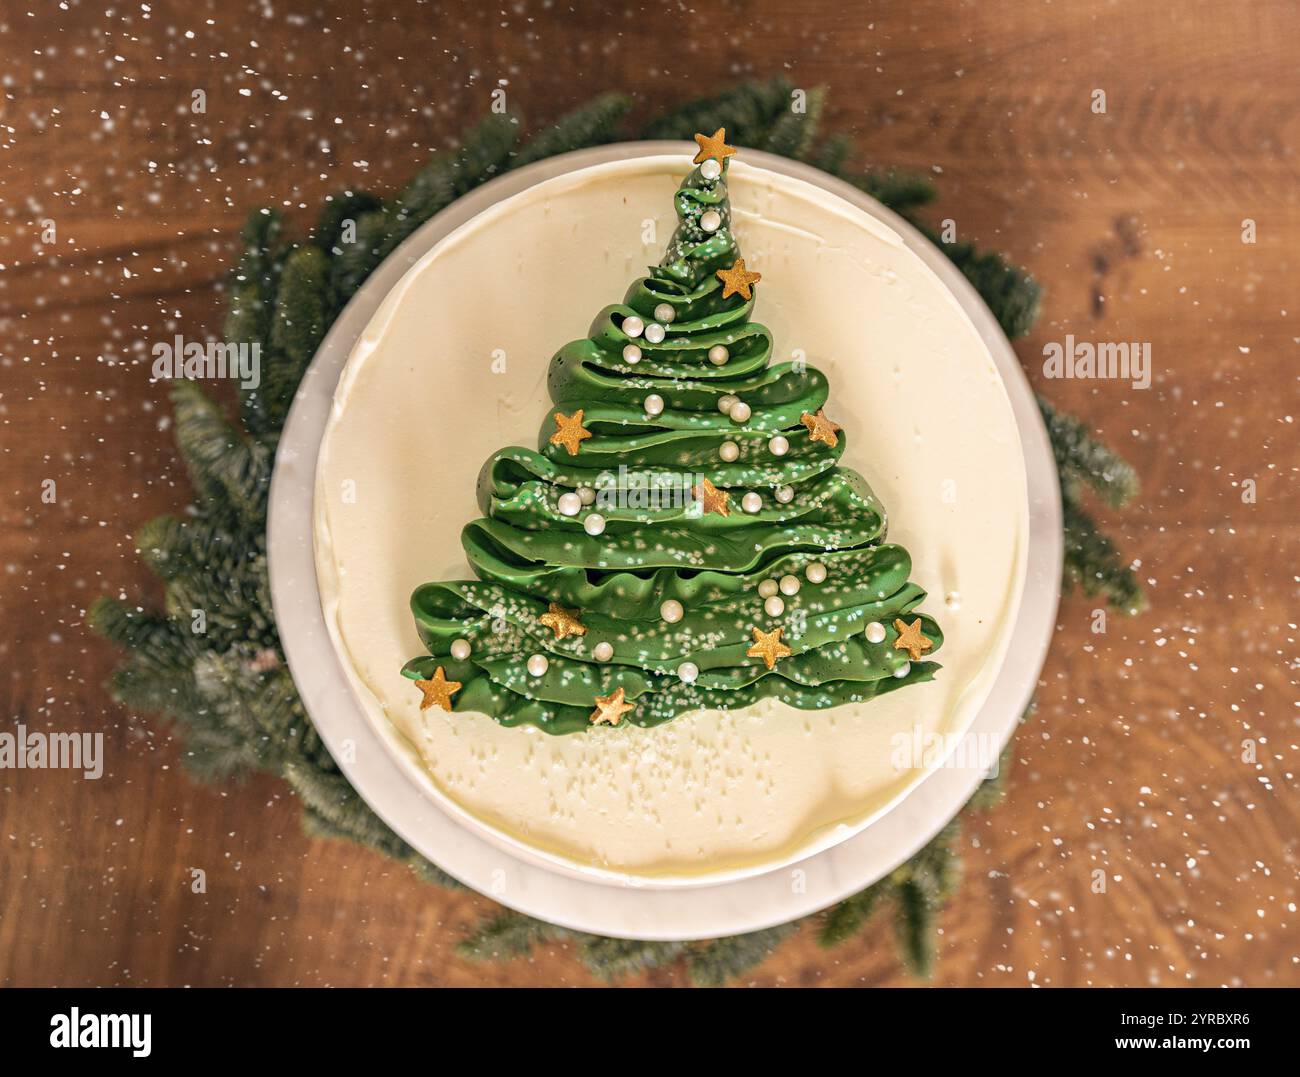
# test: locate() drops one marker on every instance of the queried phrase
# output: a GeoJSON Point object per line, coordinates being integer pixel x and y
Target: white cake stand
{"type": "Point", "coordinates": [630, 911]}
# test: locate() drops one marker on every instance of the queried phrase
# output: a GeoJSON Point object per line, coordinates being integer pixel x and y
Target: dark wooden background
{"type": "Point", "coordinates": [1133, 763]}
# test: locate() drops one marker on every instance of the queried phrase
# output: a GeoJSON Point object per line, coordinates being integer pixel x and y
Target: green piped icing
{"type": "Point", "coordinates": [657, 544]}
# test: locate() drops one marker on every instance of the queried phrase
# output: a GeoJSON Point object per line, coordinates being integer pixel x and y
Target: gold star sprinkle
{"type": "Point", "coordinates": [821, 428]}
{"type": "Point", "coordinates": [611, 708]}
{"type": "Point", "coordinates": [563, 622]}
{"type": "Point", "coordinates": [439, 690]}
{"type": "Point", "coordinates": [768, 646]}
{"type": "Point", "coordinates": [737, 280]}
{"type": "Point", "coordinates": [569, 431]}
{"type": "Point", "coordinates": [713, 499]}
{"type": "Point", "coordinates": [910, 639]}
{"type": "Point", "coordinates": [714, 145]}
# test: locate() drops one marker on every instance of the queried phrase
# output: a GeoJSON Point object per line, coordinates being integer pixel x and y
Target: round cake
{"type": "Point", "coordinates": [633, 604]}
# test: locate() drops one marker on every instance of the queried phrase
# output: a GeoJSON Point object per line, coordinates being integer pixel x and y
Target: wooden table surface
{"type": "Point", "coordinates": [1133, 764]}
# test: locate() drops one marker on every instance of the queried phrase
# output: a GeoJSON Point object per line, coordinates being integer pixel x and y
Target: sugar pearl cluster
{"type": "Point", "coordinates": [771, 590]}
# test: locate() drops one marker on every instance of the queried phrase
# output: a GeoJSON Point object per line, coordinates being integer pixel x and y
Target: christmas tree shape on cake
{"type": "Point", "coordinates": [684, 538]}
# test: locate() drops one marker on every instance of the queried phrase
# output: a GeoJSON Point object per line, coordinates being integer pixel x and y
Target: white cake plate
{"type": "Point", "coordinates": [727, 908]}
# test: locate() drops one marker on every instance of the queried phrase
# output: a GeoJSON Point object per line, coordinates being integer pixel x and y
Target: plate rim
{"type": "Point", "coordinates": [302, 625]}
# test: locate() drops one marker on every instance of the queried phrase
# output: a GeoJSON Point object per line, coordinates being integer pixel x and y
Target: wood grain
{"type": "Point", "coordinates": [1132, 765]}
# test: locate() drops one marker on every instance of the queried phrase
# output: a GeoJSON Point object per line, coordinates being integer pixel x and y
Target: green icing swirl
{"type": "Point", "coordinates": [657, 544]}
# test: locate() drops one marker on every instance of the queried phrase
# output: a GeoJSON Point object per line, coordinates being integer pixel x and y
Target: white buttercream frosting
{"type": "Point", "coordinates": [453, 366]}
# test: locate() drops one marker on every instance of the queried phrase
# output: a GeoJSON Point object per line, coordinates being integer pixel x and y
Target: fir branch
{"type": "Point", "coordinates": [331, 797]}
{"type": "Point", "coordinates": [992, 789]}
{"type": "Point", "coordinates": [594, 124]}
{"type": "Point", "coordinates": [252, 291]}
{"type": "Point", "coordinates": [747, 111]}
{"type": "Point", "coordinates": [211, 545]}
{"type": "Point", "coordinates": [153, 640]}
{"type": "Point", "coordinates": [793, 133]}
{"type": "Point", "coordinates": [841, 922]}
{"type": "Point", "coordinates": [920, 889]}
{"type": "Point", "coordinates": [723, 960]}
{"type": "Point", "coordinates": [902, 192]}
{"type": "Point", "coordinates": [223, 464]}
{"type": "Point", "coordinates": [1093, 562]}
{"type": "Point", "coordinates": [214, 752]}
{"type": "Point", "coordinates": [338, 211]}
{"type": "Point", "coordinates": [936, 869]}
{"type": "Point", "coordinates": [1010, 293]}
{"type": "Point", "coordinates": [1083, 460]}
{"type": "Point", "coordinates": [831, 155]}
{"type": "Point", "coordinates": [611, 958]}
{"type": "Point", "coordinates": [914, 929]}
{"type": "Point", "coordinates": [156, 690]}
{"type": "Point", "coordinates": [299, 321]}
{"type": "Point", "coordinates": [507, 935]}
{"type": "Point", "coordinates": [253, 283]}
{"type": "Point", "coordinates": [484, 153]}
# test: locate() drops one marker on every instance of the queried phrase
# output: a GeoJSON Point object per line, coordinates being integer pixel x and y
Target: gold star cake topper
{"type": "Point", "coordinates": [715, 146]}
{"type": "Point", "coordinates": [910, 639]}
{"type": "Point", "coordinates": [768, 646]}
{"type": "Point", "coordinates": [611, 708]}
{"type": "Point", "coordinates": [711, 498]}
{"type": "Point", "coordinates": [738, 280]}
{"type": "Point", "coordinates": [439, 690]}
{"type": "Point", "coordinates": [821, 428]}
{"type": "Point", "coordinates": [562, 622]}
{"type": "Point", "coordinates": [569, 431]}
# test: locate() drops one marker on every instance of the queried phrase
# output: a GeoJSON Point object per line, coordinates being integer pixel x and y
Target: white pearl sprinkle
{"type": "Point", "coordinates": [671, 611]}
{"type": "Point", "coordinates": [767, 588]}
{"type": "Point", "coordinates": [779, 445]}
{"type": "Point", "coordinates": [538, 664]}
{"type": "Point", "coordinates": [751, 502]}
{"type": "Point", "coordinates": [631, 354]}
{"type": "Point", "coordinates": [711, 220]}
{"type": "Point", "coordinates": [729, 451]}
{"type": "Point", "coordinates": [594, 524]}
{"type": "Point", "coordinates": [774, 606]}
{"type": "Point", "coordinates": [664, 313]}
{"type": "Point", "coordinates": [570, 503]}
{"type": "Point", "coordinates": [603, 651]}
{"type": "Point", "coordinates": [789, 585]}
{"type": "Point", "coordinates": [586, 495]}
{"type": "Point", "coordinates": [816, 572]}
{"type": "Point", "coordinates": [688, 671]}
{"type": "Point", "coordinates": [903, 670]}
{"type": "Point", "coordinates": [460, 649]}
{"type": "Point", "coordinates": [654, 404]}
{"type": "Point", "coordinates": [785, 494]}
{"type": "Point", "coordinates": [740, 412]}
{"type": "Point", "coordinates": [654, 332]}
{"type": "Point", "coordinates": [711, 169]}
{"type": "Point", "coordinates": [718, 355]}
{"type": "Point", "coordinates": [726, 403]}
{"type": "Point", "coordinates": [632, 325]}
{"type": "Point", "coordinates": [875, 632]}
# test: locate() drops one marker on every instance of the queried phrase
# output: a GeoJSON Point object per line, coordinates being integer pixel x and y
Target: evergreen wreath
{"type": "Point", "coordinates": [229, 686]}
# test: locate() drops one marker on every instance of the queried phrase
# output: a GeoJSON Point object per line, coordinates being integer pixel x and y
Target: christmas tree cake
{"type": "Point", "coordinates": [684, 537]}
